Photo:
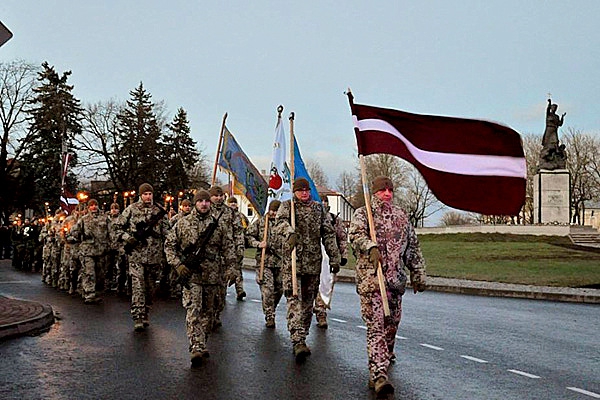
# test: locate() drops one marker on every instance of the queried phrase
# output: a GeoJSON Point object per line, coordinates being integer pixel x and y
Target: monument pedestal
{"type": "Point", "coordinates": [552, 197]}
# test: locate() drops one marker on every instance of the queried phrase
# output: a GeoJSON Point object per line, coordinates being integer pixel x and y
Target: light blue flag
{"type": "Point", "coordinates": [301, 172]}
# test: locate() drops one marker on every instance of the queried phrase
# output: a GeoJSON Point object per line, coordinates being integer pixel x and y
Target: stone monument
{"type": "Point", "coordinates": [551, 184]}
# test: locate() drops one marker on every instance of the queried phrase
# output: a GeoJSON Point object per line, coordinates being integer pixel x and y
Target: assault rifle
{"type": "Point", "coordinates": [195, 254]}
{"type": "Point", "coordinates": [143, 229]}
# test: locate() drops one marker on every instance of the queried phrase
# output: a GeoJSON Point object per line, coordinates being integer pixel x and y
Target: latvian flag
{"type": "Point", "coordinates": [468, 164]}
{"type": "Point", "coordinates": [68, 202]}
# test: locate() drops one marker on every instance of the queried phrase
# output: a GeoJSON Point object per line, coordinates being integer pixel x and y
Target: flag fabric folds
{"type": "Point", "coordinates": [468, 164]}
{"type": "Point", "coordinates": [301, 172]}
{"type": "Point", "coordinates": [248, 179]}
{"type": "Point", "coordinates": [68, 202]}
{"type": "Point", "coordinates": [279, 174]}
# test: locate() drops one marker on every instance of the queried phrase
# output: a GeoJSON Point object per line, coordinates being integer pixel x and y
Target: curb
{"type": "Point", "coordinates": [23, 317]}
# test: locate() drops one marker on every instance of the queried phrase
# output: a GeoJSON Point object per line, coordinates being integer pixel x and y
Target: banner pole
{"type": "Point", "coordinates": [214, 174]}
{"type": "Point", "coordinates": [292, 208]}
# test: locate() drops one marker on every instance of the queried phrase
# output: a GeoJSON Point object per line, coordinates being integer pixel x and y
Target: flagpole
{"type": "Point", "coordinates": [292, 208]}
{"type": "Point", "coordinates": [214, 174]}
{"type": "Point", "coordinates": [363, 175]}
{"type": "Point", "coordinates": [264, 249]}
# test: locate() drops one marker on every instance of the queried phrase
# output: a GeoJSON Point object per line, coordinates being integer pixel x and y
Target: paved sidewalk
{"type": "Point", "coordinates": [22, 317]}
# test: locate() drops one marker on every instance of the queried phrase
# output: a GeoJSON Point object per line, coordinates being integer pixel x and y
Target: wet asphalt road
{"type": "Point", "coordinates": [449, 347]}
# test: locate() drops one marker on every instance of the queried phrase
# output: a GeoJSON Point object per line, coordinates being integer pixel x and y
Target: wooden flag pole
{"type": "Point", "coordinates": [363, 175]}
{"type": "Point", "coordinates": [292, 208]}
{"type": "Point", "coordinates": [214, 174]}
{"type": "Point", "coordinates": [264, 249]}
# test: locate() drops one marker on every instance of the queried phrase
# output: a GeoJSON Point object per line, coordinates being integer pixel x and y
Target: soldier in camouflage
{"type": "Point", "coordinates": [116, 255]}
{"type": "Point", "coordinates": [312, 227]}
{"type": "Point", "coordinates": [341, 240]}
{"type": "Point", "coordinates": [146, 257]}
{"type": "Point", "coordinates": [91, 232]}
{"type": "Point", "coordinates": [205, 278]}
{"type": "Point", "coordinates": [271, 287]}
{"type": "Point", "coordinates": [234, 226]}
{"type": "Point", "coordinates": [235, 275]}
{"type": "Point", "coordinates": [396, 247]}
{"type": "Point", "coordinates": [169, 279]}
{"type": "Point", "coordinates": [64, 278]}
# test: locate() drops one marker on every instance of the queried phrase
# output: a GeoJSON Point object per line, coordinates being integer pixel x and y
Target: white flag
{"type": "Point", "coordinates": [279, 174]}
{"type": "Point", "coordinates": [326, 279]}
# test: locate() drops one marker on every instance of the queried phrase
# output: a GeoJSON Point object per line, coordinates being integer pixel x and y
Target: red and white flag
{"type": "Point", "coordinates": [68, 202]}
{"type": "Point", "coordinates": [468, 164]}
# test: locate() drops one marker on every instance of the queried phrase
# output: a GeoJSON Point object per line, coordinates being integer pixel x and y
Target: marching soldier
{"type": "Point", "coordinates": [233, 225]}
{"type": "Point", "coordinates": [91, 232]}
{"type": "Point", "coordinates": [235, 275]}
{"type": "Point", "coordinates": [117, 260]}
{"type": "Point", "coordinates": [396, 247]}
{"type": "Point", "coordinates": [142, 227]}
{"type": "Point", "coordinates": [271, 288]}
{"type": "Point", "coordinates": [194, 248]}
{"type": "Point", "coordinates": [312, 227]}
{"type": "Point", "coordinates": [341, 240]}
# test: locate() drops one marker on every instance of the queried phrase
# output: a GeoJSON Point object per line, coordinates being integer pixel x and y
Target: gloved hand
{"type": "Point", "coordinates": [344, 261]}
{"type": "Point", "coordinates": [292, 240]}
{"type": "Point", "coordinates": [334, 268]}
{"type": "Point", "coordinates": [183, 271]}
{"type": "Point", "coordinates": [374, 256]}
{"type": "Point", "coordinates": [417, 282]}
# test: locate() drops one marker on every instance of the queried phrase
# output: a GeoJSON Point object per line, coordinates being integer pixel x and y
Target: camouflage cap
{"type": "Point", "coordinates": [146, 187]}
{"type": "Point", "coordinates": [381, 183]}
{"type": "Point", "coordinates": [201, 194]}
{"type": "Point", "coordinates": [274, 205]}
{"type": "Point", "coordinates": [301, 184]}
{"type": "Point", "coordinates": [232, 200]}
{"type": "Point", "coordinates": [215, 191]}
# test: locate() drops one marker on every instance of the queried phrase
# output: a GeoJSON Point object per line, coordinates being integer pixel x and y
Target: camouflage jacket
{"type": "Point", "coordinates": [125, 227]}
{"type": "Point", "coordinates": [397, 243]}
{"type": "Point", "coordinates": [233, 222]}
{"type": "Point", "coordinates": [91, 232]}
{"type": "Point", "coordinates": [185, 237]}
{"type": "Point", "coordinates": [312, 227]}
{"type": "Point", "coordinates": [255, 234]}
{"type": "Point", "coordinates": [341, 236]}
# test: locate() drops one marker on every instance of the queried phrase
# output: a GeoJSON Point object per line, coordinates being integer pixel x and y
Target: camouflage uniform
{"type": "Point", "coordinates": [91, 231]}
{"type": "Point", "coordinates": [271, 287]}
{"type": "Point", "coordinates": [312, 227]}
{"type": "Point", "coordinates": [342, 243]}
{"type": "Point", "coordinates": [66, 259]}
{"type": "Point", "coordinates": [234, 273]}
{"type": "Point", "coordinates": [55, 250]}
{"type": "Point", "coordinates": [232, 225]}
{"type": "Point", "coordinates": [145, 259]}
{"type": "Point", "coordinates": [202, 295]}
{"type": "Point", "coordinates": [399, 248]}
{"type": "Point", "coordinates": [117, 259]}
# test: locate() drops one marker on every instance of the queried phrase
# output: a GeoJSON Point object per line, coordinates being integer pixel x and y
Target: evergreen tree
{"type": "Point", "coordinates": [140, 147]}
{"type": "Point", "coordinates": [55, 120]}
{"type": "Point", "coordinates": [180, 153]}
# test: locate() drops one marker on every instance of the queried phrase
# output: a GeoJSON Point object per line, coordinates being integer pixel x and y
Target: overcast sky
{"type": "Point", "coordinates": [484, 59]}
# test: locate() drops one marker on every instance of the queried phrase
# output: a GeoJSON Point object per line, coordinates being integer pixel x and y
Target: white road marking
{"type": "Point", "coordinates": [256, 301]}
{"type": "Point", "coordinates": [401, 337]}
{"type": "Point", "coordinates": [430, 346]}
{"type": "Point", "coordinates": [339, 320]}
{"type": "Point", "coordinates": [479, 360]}
{"type": "Point", "coordinates": [516, 371]}
{"type": "Point", "coordinates": [591, 394]}
{"type": "Point", "coordinates": [362, 327]}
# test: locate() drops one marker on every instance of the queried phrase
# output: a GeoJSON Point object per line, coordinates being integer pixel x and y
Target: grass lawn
{"type": "Point", "coordinates": [524, 259]}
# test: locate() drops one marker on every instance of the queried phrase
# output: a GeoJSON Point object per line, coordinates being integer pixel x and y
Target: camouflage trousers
{"type": "Point", "coordinates": [65, 268]}
{"type": "Point", "coordinates": [143, 287]}
{"type": "Point", "coordinates": [75, 275]}
{"type": "Point", "coordinates": [271, 290]}
{"type": "Point", "coordinates": [300, 309]}
{"type": "Point", "coordinates": [381, 331]}
{"type": "Point", "coordinates": [199, 302]}
{"type": "Point", "coordinates": [91, 273]}
{"type": "Point", "coordinates": [235, 276]}
{"type": "Point", "coordinates": [320, 308]}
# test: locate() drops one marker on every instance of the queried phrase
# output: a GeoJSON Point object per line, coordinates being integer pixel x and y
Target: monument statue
{"type": "Point", "coordinates": [553, 155]}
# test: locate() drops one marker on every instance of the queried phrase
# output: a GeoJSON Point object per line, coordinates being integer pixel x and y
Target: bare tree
{"type": "Point", "coordinates": [453, 218]}
{"type": "Point", "coordinates": [316, 173]}
{"type": "Point", "coordinates": [417, 199]}
{"type": "Point", "coordinates": [346, 184]}
{"type": "Point", "coordinates": [532, 145]}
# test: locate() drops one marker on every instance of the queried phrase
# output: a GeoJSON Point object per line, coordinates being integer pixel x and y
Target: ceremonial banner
{"type": "Point", "coordinates": [468, 164]}
{"type": "Point", "coordinates": [68, 202]}
{"type": "Point", "coordinates": [279, 174]}
{"type": "Point", "coordinates": [301, 172]}
{"type": "Point", "coordinates": [248, 180]}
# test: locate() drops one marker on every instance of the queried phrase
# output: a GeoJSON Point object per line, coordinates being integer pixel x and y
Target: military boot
{"type": "Point", "coordinates": [241, 296]}
{"type": "Point", "coordinates": [383, 387]}
{"type": "Point", "coordinates": [322, 321]}
{"type": "Point", "coordinates": [301, 351]}
{"type": "Point", "coordinates": [270, 323]}
{"type": "Point", "coordinates": [138, 325]}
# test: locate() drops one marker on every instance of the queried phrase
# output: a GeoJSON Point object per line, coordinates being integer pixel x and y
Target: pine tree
{"type": "Point", "coordinates": [56, 119]}
{"type": "Point", "coordinates": [180, 153]}
{"type": "Point", "coordinates": [140, 147]}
